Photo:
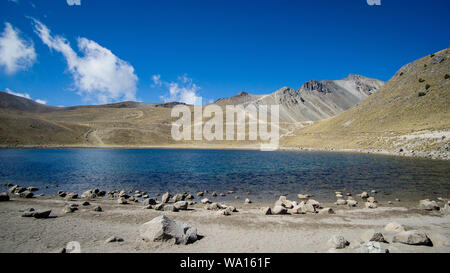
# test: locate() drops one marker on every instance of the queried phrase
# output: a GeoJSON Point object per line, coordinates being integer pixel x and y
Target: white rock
{"type": "Point", "coordinates": [162, 228]}
{"type": "Point", "coordinates": [338, 242]}
{"type": "Point", "coordinates": [394, 227]}
{"type": "Point", "coordinates": [412, 237]}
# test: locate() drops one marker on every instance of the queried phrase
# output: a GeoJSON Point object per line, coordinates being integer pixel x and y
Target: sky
{"type": "Point", "coordinates": [72, 52]}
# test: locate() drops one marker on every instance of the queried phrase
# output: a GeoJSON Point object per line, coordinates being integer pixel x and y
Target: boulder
{"type": "Point", "coordinates": [373, 236]}
{"type": "Point", "coordinates": [338, 242]}
{"type": "Point", "coordinates": [159, 206]}
{"type": "Point", "coordinates": [412, 237]}
{"type": "Point", "coordinates": [69, 209]}
{"type": "Point", "coordinates": [42, 214]}
{"type": "Point", "coordinates": [171, 208]}
{"type": "Point", "coordinates": [277, 210]}
{"type": "Point", "coordinates": [71, 196]}
{"type": "Point", "coordinates": [307, 207]}
{"type": "Point", "coordinates": [394, 227]}
{"type": "Point", "coordinates": [364, 195]}
{"type": "Point", "coordinates": [341, 202]}
{"type": "Point", "coordinates": [32, 189]}
{"type": "Point", "coordinates": [224, 212]}
{"type": "Point", "coordinates": [181, 205]}
{"type": "Point", "coordinates": [352, 203]}
{"type": "Point", "coordinates": [62, 194]}
{"type": "Point", "coordinates": [372, 247]}
{"type": "Point", "coordinates": [178, 197]}
{"type": "Point", "coordinates": [4, 196]}
{"type": "Point", "coordinates": [28, 212]}
{"type": "Point", "coordinates": [205, 201]}
{"type": "Point", "coordinates": [165, 198]}
{"type": "Point", "coordinates": [189, 197]}
{"type": "Point", "coordinates": [89, 194]}
{"type": "Point", "coordinates": [149, 201]}
{"type": "Point", "coordinates": [247, 201]}
{"type": "Point", "coordinates": [162, 228]}
{"type": "Point", "coordinates": [326, 211]}
{"type": "Point", "coordinates": [371, 200]}
{"type": "Point", "coordinates": [26, 194]}
{"type": "Point", "coordinates": [370, 205]}
{"type": "Point", "coordinates": [313, 203]}
{"type": "Point", "coordinates": [428, 205]}
{"type": "Point", "coordinates": [282, 201]}
{"type": "Point", "coordinates": [98, 209]}
{"type": "Point", "coordinates": [200, 194]}
{"type": "Point", "coordinates": [339, 196]}
{"type": "Point", "coordinates": [303, 196]}
{"type": "Point", "coordinates": [85, 203]}
{"type": "Point", "coordinates": [122, 201]}
{"type": "Point", "coordinates": [214, 194]}
{"type": "Point", "coordinates": [266, 211]}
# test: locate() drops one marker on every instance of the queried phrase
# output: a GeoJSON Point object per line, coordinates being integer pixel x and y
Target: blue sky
{"type": "Point", "coordinates": [143, 49]}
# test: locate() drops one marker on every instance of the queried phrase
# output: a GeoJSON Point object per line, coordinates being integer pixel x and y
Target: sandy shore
{"type": "Point", "coordinates": [245, 231]}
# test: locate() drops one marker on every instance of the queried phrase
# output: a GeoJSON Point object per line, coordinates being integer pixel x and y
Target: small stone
{"type": "Point", "coordinates": [394, 227]}
{"type": "Point", "coordinates": [98, 209]}
{"type": "Point", "coordinates": [122, 201]}
{"type": "Point", "coordinates": [159, 206]}
{"type": "Point", "coordinates": [214, 194]}
{"type": "Point", "coordinates": [32, 189]}
{"type": "Point", "coordinates": [412, 237]}
{"type": "Point", "coordinates": [181, 205]}
{"type": "Point", "coordinates": [248, 201]}
{"type": "Point", "coordinates": [237, 197]}
{"type": "Point", "coordinates": [352, 203]}
{"type": "Point", "coordinates": [85, 203]}
{"type": "Point", "coordinates": [341, 202]}
{"type": "Point", "coordinates": [200, 194]}
{"type": "Point", "coordinates": [370, 205]}
{"type": "Point", "coordinates": [68, 209]}
{"type": "Point", "coordinates": [338, 242]}
{"type": "Point", "coordinates": [28, 212]}
{"type": "Point", "coordinates": [171, 208]}
{"type": "Point", "coordinates": [364, 195]}
{"type": "Point", "coordinates": [303, 196]}
{"type": "Point", "coordinates": [372, 247]}
{"type": "Point", "coordinates": [189, 197]}
{"type": "Point", "coordinates": [26, 194]}
{"type": "Point", "coordinates": [371, 200]}
{"type": "Point", "coordinates": [339, 196]}
{"type": "Point", "coordinates": [223, 212]}
{"type": "Point", "coordinates": [114, 239]}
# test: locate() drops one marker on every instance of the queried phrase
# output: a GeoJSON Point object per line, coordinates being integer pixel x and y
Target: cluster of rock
{"type": "Point", "coordinates": [306, 205]}
{"type": "Point", "coordinates": [31, 212]}
{"type": "Point", "coordinates": [19, 191]}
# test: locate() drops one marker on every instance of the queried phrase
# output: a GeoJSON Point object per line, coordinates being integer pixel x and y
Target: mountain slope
{"type": "Point", "coordinates": [314, 100]}
{"type": "Point", "coordinates": [411, 112]}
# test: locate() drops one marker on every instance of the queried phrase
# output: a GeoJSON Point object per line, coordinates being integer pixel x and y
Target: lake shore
{"type": "Point", "coordinates": [432, 155]}
{"type": "Point", "coordinates": [246, 231]}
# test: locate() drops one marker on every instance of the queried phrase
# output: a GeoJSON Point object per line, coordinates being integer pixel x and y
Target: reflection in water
{"type": "Point", "coordinates": [261, 175]}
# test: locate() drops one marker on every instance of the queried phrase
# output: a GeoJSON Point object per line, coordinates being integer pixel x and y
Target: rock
{"type": "Point", "coordinates": [26, 194]}
{"type": "Point", "coordinates": [162, 228]}
{"type": "Point", "coordinates": [307, 207]}
{"type": "Point", "coordinates": [248, 201]}
{"type": "Point", "coordinates": [4, 197]}
{"type": "Point", "coordinates": [214, 194]}
{"type": "Point", "coordinates": [98, 209]}
{"type": "Point", "coordinates": [237, 197]}
{"type": "Point", "coordinates": [28, 212]}
{"type": "Point", "coordinates": [171, 208]}
{"type": "Point", "coordinates": [373, 191]}
{"type": "Point", "coordinates": [282, 201]}
{"type": "Point", "coordinates": [296, 210]}
{"type": "Point", "coordinates": [62, 194]}
{"type": "Point", "coordinates": [230, 192]}
{"type": "Point", "coordinates": [412, 237]}
{"type": "Point", "coordinates": [71, 196]}
{"type": "Point", "coordinates": [277, 210]}
{"type": "Point", "coordinates": [372, 247]}
{"type": "Point", "coordinates": [338, 242]}
{"type": "Point", "coordinates": [372, 236]}
{"type": "Point", "coordinates": [370, 205]}
{"type": "Point", "coordinates": [114, 239]}
{"type": "Point", "coordinates": [178, 197]}
{"type": "Point", "coordinates": [90, 194]}
{"type": "Point", "coordinates": [390, 202]}
{"type": "Point", "coordinates": [32, 189]}
{"type": "Point", "coordinates": [42, 214]}
{"type": "Point", "coordinates": [326, 211]}
{"type": "Point", "coordinates": [137, 195]}
{"type": "Point", "coordinates": [266, 211]}
{"type": "Point", "coordinates": [313, 203]}
{"type": "Point", "coordinates": [165, 198]}
{"type": "Point", "coordinates": [69, 209]}
{"type": "Point", "coordinates": [394, 227]}
{"type": "Point", "coordinates": [148, 207]}
{"type": "Point", "coordinates": [341, 202]}
{"type": "Point", "coordinates": [85, 203]}
{"type": "Point", "coordinates": [122, 201]}
{"type": "Point", "coordinates": [159, 206]}
{"type": "Point", "coordinates": [222, 194]}
{"type": "Point", "coordinates": [132, 199]}
{"type": "Point", "coordinates": [181, 205]}
{"type": "Point", "coordinates": [101, 193]}
{"type": "Point", "coordinates": [213, 206]}
{"type": "Point", "coordinates": [200, 194]}
{"type": "Point", "coordinates": [303, 196]}
{"type": "Point", "coordinates": [189, 197]}
{"type": "Point", "coordinates": [13, 189]}
{"type": "Point", "coordinates": [149, 201]}
{"type": "Point", "coordinates": [364, 195]}
{"type": "Point", "coordinates": [372, 200]}
{"type": "Point", "coordinates": [428, 205]}
{"type": "Point", "coordinates": [339, 196]}
{"type": "Point", "coordinates": [223, 212]}
{"type": "Point", "coordinates": [352, 203]}
{"type": "Point", "coordinates": [205, 201]}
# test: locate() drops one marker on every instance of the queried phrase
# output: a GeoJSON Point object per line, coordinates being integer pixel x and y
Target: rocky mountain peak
{"type": "Point", "coordinates": [314, 85]}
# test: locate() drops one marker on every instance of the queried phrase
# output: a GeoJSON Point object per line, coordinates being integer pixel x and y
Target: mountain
{"type": "Point", "coordinates": [24, 122]}
{"type": "Point", "coordinates": [314, 100]}
{"type": "Point", "coordinates": [409, 114]}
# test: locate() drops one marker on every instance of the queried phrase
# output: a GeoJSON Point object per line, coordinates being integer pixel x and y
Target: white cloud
{"type": "Point", "coordinates": [183, 90]}
{"type": "Point", "coordinates": [157, 80]}
{"type": "Point", "coordinates": [99, 75]}
{"type": "Point", "coordinates": [74, 2]}
{"type": "Point", "coordinates": [24, 95]}
{"type": "Point", "coordinates": [15, 53]}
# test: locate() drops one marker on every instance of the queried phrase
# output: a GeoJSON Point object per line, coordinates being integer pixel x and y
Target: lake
{"type": "Point", "coordinates": [262, 176]}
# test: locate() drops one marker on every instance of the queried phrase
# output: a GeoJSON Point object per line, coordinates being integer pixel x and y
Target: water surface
{"type": "Point", "coordinates": [260, 175]}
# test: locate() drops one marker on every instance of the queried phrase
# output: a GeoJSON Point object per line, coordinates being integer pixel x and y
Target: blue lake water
{"type": "Point", "coordinates": [260, 175]}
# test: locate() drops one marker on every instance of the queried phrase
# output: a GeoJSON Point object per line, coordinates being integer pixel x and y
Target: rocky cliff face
{"type": "Point", "coordinates": [314, 100]}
